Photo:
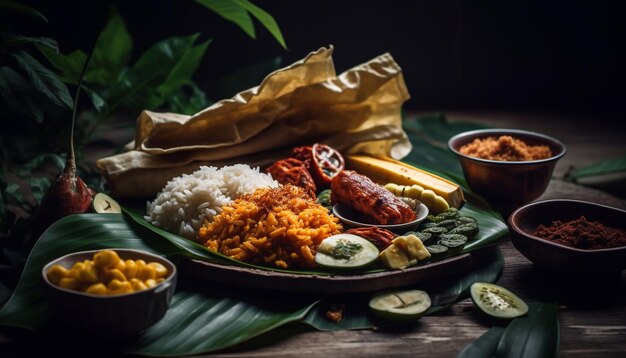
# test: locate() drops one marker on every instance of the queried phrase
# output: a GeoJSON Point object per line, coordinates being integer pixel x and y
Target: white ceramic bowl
{"type": "Point", "coordinates": [353, 218]}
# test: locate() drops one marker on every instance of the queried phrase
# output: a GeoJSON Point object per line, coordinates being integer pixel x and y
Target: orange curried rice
{"type": "Point", "coordinates": [272, 226]}
{"type": "Point", "coordinates": [505, 148]}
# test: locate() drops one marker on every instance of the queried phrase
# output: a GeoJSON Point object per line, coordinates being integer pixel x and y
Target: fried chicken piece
{"type": "Point", "coordinates": [381, 238]}
{"type": "Point", "coordinates": [370, 199]}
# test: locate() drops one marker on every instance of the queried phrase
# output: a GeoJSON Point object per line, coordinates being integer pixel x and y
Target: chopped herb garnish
{"type": "Point", "coordinates": [344, 249]}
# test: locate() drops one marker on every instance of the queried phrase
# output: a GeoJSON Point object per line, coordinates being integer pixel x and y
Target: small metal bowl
{"type": "Point", "coordinates": [507, 184]}
{"type": "Point", "coordinates": [353, 218]}
{"type": "Point", "coordinates": [116, 315]}
{"type": "Point", "coordinates": [561, 258]}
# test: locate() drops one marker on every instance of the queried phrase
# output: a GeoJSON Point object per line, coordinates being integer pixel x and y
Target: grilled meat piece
{"type": "Point", "coordinates": [293, 171]}
{"type": "Point", "coordinates": [381, 238]}
{"type": "Point", "coordinates": [369, 199]}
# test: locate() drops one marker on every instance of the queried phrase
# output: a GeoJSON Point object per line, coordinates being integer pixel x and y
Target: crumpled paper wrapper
{"type": "Point", "coordinates": [306, 102]}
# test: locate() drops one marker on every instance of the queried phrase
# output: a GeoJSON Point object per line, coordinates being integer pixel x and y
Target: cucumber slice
{"type": "Point", "coordinates": [103, 203]}
{"type": "Point", "coordinates": [346, 251]}
{"type": "Point", "coordinates": [400, 305]}
{"type": "Point", "coordinates": [497, 301]}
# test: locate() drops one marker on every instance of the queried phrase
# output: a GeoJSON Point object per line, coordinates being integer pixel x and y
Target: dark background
{"type": "Point", "coordinates": [553, 56]}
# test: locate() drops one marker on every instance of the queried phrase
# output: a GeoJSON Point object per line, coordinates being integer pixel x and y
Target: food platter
{"type": "Point", "coordinates": [335, 283]}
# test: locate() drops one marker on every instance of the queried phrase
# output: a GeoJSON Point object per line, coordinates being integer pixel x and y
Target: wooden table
{"type": "Point", "coordinates": [592, 319]}
{"type": "Point", "coordinates": [592, 325]}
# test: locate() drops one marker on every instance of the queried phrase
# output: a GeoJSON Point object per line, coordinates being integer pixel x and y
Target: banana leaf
{"type": "Point", "coordinates": [206, 317]}
{"type": "Point", "coordinates": [533, 335]}
{"type": "Point", "coordinates": [203, 317]}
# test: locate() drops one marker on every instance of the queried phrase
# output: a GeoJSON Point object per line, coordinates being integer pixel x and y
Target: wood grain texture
{"type": "Point", "coordinates": [592, 312]}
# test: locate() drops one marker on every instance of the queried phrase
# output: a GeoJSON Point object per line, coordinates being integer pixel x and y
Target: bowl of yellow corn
{"type": "Point", "coordinates": [114, 292]}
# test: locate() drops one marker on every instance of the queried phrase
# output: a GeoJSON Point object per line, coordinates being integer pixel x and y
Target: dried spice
{"type": "Point", "coordinates": [336, 312]}
{"type": "Point", "coordinates": [582, 234]}
{"type": "Point", "coordinates": [505, 148]}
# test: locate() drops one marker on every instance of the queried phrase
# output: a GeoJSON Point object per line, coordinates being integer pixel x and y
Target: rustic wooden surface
{"type": "Point", "coordinates": [592, 312]}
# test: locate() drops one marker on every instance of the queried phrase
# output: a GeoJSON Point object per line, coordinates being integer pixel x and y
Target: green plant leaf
{"type": "Point", "coordinates": [183, 70]}
{"type": "Point", "coordinates": [609, 166]}
{"type": "Point", "coordinates": [17, 93]}
{"type": "Point", "coordinates": [188, 103]}
{"type": "Point", "coordinates": [534, 335]}
{"type": "Point", "coordinates": [27, 308]}
{"type": "Point", "coordinates": [232, 12]}
{"type": "Point", "coordinates": [5, 292]}
{"type": "Point", "coordinates": [137, 89]}
{"type": "Point", "coordinates": [111, 53]}
{"type": "Point", "coordinates": [246, 77]}
{"type": "Point", "coordinates": [215, 322]}
{"type": "Point", "coordinates": [264, 18]}
{"type": "Point", "coordinates": [199, 320]}
{"type": "Point", "coordinates": [69, 66]}
{"type": "Point", "coordinates": [42, 41]}
{"type": "Point", "coordinates": [43, 80]}
{"type": "Point", "coordinates": [38, 187]}
{"type": "Point", "coordinates": [23, 9]}
{"type": "Point", "coordinates": [96, 100]}
{"type": "Point", "coordinates": [238, 12]}
{"type": "Point", "coordinates": [26, 169]}
{"type": "Point", "coordinates": [485, 346]}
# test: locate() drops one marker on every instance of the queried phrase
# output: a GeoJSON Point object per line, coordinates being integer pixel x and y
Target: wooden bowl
{"type": "Point", "coordinates": [507, 184]}
{"type": "Point", "coordinates": [560, 258]}
{"type": "Point", "coordinates": [116, 315]}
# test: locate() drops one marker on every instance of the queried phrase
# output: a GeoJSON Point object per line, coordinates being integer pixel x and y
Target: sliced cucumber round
{"type": "Point", "coordinates": [346, 251]}
{"type": "Point", "coordinates": [497, 301]}
{"type": "Point", "coordinates": [103, 203]}
{"type": "Point", "coordinates": [401, 306]}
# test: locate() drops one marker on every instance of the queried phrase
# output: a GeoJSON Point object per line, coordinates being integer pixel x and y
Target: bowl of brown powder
{"type": "Point", "coordinates": [508, 167]}
{"type": "Point", "coordinates": [571, 236]}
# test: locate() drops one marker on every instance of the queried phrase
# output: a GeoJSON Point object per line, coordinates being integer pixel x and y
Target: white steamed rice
{"type": "Point", "coordinates": [188, 200]}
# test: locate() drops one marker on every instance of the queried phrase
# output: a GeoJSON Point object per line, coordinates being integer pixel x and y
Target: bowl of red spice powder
{"type": "Point", "coordinates": [571, 236]}
{"type": "Point", "coordinates": [508, 167]}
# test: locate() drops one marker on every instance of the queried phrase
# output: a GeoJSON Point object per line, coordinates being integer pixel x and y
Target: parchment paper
{"type": "Point", "coordinates": [306, 102]}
